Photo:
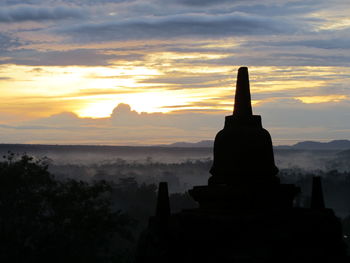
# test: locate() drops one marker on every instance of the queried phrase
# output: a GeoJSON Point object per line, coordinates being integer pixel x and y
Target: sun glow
{"type": "Point", "coordinates": [96, 109]}
{"type": "Point", "coordinates": [322, 99]}
{"type": "Point", "coordinates": [160, 101]}
{"type": "Point", "coordinates": [94, 92]}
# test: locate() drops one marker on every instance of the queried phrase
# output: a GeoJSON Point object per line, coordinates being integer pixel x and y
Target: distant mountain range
{"type": "Point", "coordinates": [305, 145]}
{"type": "Point", "coordinates": [312, 145]}
{"type": "Point", "coordinates": [204, 144]}
{"type": "Point", "coordinates": [340, 145]}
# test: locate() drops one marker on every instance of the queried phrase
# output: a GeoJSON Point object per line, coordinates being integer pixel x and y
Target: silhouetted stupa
{"type": "Point", "coordinates": [245, 214]}
{"type": "Point", "coordinates": [244, 171]}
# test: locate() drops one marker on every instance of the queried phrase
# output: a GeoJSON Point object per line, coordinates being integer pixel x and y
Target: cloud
{"type": "Point", "coordinates": [124, 126]}
{"type": "Point", "coordinates": [76, 57]}
{"type": "Point", "coordinates": [98, 2]}
{"type": "Point", "coordinates": [188, 25]}
{"type": "Point", "coordinates": [20, 2]}
{"type": "Point", "coordinates": [293, 113]}
{"type": "Point", "coordinates": [284, 118]}
{"type": "Point", "coordinates": [124, 116]}
{"type": "Point", "coordinates": [313, 59]}
{"type": "Point", "coordinates": [255, 55]}
{"type": "Point", "coordinates": [5, 78]}
{"type": "Point", "coordinates": [200, 3]}
{"type": "Point", "coordinates": [331, 43]}
{"type": "Point", "coordinates": [182, 79]}
{"type": "Point", "coordinates": [61, 120]}
{"type": "Point", "coordinates": [324, 39]}
{"type": "Point", "coordinates": [76, 2]}
{"type": "Point", "coordinates": [33, 13]}
{"type": "Point", "coordinates": [8, 41]}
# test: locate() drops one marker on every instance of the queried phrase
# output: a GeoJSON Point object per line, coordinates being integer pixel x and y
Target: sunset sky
{"type": "Point", "coordinates": [137, 72]}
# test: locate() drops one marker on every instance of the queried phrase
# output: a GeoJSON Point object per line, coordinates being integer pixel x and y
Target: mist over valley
{"type": "Point", "coordinates": [185, 167]}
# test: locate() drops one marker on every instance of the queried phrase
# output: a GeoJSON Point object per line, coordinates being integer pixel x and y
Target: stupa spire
{"type": "Point", "coordinates": [317, 200]}
{"type": "Point", "coordinates": [163, 205]}
{"type": "Point", "coordinates": [243, 105]}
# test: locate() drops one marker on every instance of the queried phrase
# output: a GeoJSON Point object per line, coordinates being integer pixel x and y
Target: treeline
{"type": "Point", "coordinates": [61, 218]}
{"type": "Point", "coordinates": [180, 176]}
{"type": "Point", "coordinates": [183, 176]}
{"type": "Point", "coordinates": [43, 219]}
{"type": "Point", "coordinates": [336, 187]}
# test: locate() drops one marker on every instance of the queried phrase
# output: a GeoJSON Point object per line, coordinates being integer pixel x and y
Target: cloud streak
{"type": "Point", "coordinates": [77, 57]}
{"type": "Point", "coordinates": [33, 13]}
{"type": "Point", "coordinates": [235, 24]}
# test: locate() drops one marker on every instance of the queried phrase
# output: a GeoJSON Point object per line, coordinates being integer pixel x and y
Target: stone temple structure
{"type": "Point", "coordinates": [245, 214]}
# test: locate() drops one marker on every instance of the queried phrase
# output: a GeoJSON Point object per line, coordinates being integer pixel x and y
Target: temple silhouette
{"type": "Point", "coordinates": [245, 214]}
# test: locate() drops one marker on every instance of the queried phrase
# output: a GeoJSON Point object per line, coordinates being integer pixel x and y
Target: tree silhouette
{"type": "Point", "coordinates": [46, 220]}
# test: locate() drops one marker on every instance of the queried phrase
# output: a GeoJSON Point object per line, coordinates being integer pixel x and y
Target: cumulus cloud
{"type": "Point", "coordinates": [285, 119]}
{"type": "Point", "coordinates": [61, 120]}
{"type": "Point", "coordinates": [124, 126]}
{"type": "Point", "coordinates": [187, 121]}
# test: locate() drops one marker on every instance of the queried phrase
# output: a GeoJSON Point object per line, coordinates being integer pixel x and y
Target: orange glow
{"type": "Point", "coordinates": [322, 99]}
{"type": "Point", "coordinates": [152, 87]}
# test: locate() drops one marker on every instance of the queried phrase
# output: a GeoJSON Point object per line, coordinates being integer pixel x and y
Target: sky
{"type": "Point", "coordinates": [137, 72]}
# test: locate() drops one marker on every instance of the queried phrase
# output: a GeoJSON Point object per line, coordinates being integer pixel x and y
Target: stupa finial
{"type": "Point", "coordinates": [163, 206]}
{"type": "Point", "coordinates": [317, 200]}
{"type": "Point", "coordinates": [243, 106]}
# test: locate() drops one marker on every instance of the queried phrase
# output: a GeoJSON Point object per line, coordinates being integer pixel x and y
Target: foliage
{"type": "Point", "coordinates": [138, 199]}
{"type": "Point", "coordinates": [46, 220]}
